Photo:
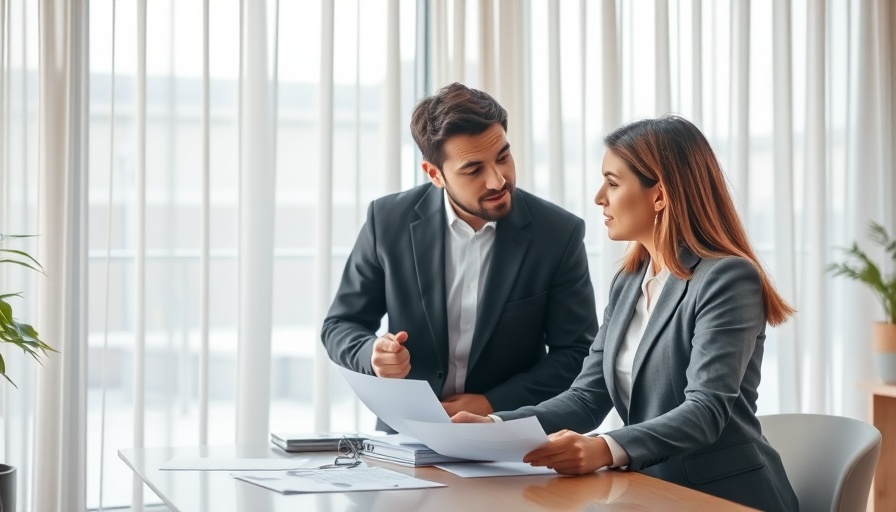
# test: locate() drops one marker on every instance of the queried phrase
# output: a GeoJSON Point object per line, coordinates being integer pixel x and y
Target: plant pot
{"type": "Point", "coordinates": [883, 340]}
{"type": "Point", "coordinates": [7, 488]}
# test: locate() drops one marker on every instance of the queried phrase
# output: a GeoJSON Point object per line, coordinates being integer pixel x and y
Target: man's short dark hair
{"type": "Point", "coordinates": [455, 109]}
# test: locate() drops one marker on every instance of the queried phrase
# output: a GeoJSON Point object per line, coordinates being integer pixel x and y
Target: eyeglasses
{"type": "Point", "coordinates": [349, 454]}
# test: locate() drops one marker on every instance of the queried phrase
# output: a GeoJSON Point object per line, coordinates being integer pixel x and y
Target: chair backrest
{"type": "Point", "coordinates": [830, 460]}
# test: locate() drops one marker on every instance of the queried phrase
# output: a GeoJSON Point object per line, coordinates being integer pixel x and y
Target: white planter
{"type": "Point", "coordinates": [883, 339]}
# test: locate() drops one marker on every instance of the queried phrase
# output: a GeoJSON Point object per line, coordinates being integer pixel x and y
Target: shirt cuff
{"type": "Point", "coordinates": [496, 419]}
{"type": "Point", "coordinates": [620, 456]}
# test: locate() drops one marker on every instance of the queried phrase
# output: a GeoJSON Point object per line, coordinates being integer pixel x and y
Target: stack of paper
{"type": "Point", "coordinates": [403, 450]}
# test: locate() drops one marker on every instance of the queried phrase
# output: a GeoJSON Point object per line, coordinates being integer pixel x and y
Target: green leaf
{"type": "Point", "coordinates": [5, 312]}
{"type": "Point", "coordinates": [12, 331]}
{"type": "Point", "coordinates": [22, 263]}
{"type": "Point", "coordinates": [24, 255]}
{"type": "Point", "coordinates": [11, 237]}
{"type": "Point", "coordinates": [3, 372]}
{"type": "Point", "coordinates": [858, 266]}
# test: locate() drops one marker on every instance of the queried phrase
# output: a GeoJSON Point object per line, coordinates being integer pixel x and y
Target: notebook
{"type": "Point", "coordinates": [312, 441]}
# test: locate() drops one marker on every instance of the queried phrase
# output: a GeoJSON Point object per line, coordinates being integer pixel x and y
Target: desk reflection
{"type": "Point", "coordinates": [535, 492]}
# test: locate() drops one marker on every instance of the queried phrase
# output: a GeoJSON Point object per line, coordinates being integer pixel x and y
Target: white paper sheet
{"type": "Point", "coordinates": [487, 469]}
{"type": "Point", "coordinates": [508, 441]}
{"type": "Point", "coordinates": [360, 478]}
{"type": "Point", "coordinates": [397, 439]}
{"type": "Point", "coordinates": [231, 464]}
{"type": "Point", "coordinates": [397, 400]}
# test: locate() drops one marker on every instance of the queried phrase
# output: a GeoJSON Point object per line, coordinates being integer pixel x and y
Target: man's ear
{"type": "Point", "coordinates": [435, 176]}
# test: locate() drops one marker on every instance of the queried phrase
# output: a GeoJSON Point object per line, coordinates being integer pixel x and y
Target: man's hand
{"type": "Point", "coordinates": [476, 404]}
{"type": "Point", "coordinates": [390, 358]}
{"type": "Point", "coordinates": [468, 417]}
{"type": "Point", "coordinates": [569, 453]}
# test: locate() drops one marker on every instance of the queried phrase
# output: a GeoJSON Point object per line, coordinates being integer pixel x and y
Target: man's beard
{"type": "Point", "coordinates": [482, 212]}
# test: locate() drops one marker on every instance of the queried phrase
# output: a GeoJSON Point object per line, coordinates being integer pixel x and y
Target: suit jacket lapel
{"type": "Point", "coordinates": [511, 243]}
{"type": "Point", "coordinates": [616, 330]}
{"type": "Point", "coordinates": [666, 305]}
{"type": "Point", "coordinates": [428, 243]}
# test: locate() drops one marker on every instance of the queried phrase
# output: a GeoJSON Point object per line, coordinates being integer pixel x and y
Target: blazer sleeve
{"type": "Point", "coordinates": [730, 315]}
{"type": "Point", "coordinates": [570, 327]}
{"type": "Point", "coordinates": [585, 404]}
{"type": "Point", "coordinates": [349, 329]}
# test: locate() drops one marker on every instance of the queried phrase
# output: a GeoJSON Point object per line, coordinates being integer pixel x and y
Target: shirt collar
{"type": "Point", "coordinates": [661, 277]}
{"type": "Point", "coordinates": [452, 217]}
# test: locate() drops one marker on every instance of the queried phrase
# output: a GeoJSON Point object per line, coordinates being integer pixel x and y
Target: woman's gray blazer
{"type": "Point", "coordinates": [692, 416]}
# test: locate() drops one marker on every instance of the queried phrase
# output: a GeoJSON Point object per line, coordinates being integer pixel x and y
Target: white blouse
{"type": "Point", "coordinates": [651, 288]}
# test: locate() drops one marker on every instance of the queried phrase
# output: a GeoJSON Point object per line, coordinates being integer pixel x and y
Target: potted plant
{"type": "Point", "coordinates": [23, 336]}
{"type": "Point", "coordinates": [860, 267]}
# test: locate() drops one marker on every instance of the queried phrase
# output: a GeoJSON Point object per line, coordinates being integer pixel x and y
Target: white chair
{"type": "Point", "coordinates": [830, 460]}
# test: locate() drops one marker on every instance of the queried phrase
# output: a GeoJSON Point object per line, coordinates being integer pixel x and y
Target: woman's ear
{"type": "Point", "coordinates": [659, 199]}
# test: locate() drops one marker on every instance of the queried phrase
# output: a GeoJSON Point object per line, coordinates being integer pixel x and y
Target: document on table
{"type": "Point", "coordinates": [397, 400]}
{"type": "Point", "coordinates": [359, 478]}
{"type": "Point", "coordinates": [508, 441]}
{"type": "Point", "coordinates": [486, 469]}
{"type": "Point", "coordinates": [231, 464]}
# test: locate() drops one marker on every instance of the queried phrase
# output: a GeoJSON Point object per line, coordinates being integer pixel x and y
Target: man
{"type": "Point", "coordinates": [486, 286]}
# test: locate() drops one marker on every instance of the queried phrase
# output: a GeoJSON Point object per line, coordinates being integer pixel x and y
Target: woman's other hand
{"type": "Point", "coordinates": [570, 453]}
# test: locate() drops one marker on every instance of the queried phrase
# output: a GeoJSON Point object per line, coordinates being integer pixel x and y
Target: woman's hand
{"type": "Point", "coordinates": [569, 453]}
{"type": "Point", "coordinates": [468, 417]}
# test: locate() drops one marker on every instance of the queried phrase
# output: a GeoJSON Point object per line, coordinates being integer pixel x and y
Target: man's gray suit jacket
{"type": "Point", "coordinates": [536, 317]}
{"type": "Point", "coordinates": [692, 417]}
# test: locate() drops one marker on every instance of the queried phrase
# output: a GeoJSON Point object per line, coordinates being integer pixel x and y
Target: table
{"type": "Point", "coordinates": [195, 491]}
{"type": "Point", "coordinates": [883, 416]}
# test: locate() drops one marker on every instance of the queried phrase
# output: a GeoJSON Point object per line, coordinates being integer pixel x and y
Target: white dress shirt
{"type": "Point", "coordinates": [468, 254]}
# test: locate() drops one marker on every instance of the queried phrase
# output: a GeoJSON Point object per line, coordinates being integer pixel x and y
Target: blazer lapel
{"type": "Point", "coordinates": [666, 305]}
{"type": "Point", "coordinates": [428, 243]}
{"type": "Point", "coordinates": [616, 329]}
{"type": "Point", "coordinates": [511, 243]}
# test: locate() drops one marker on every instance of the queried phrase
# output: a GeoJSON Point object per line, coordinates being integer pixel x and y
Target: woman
{"type": "Point", "coordinates": [680, 348]}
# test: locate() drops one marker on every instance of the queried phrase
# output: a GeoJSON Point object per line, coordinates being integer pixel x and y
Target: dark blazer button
{"type": "Point", "coordinates": [439, 375]}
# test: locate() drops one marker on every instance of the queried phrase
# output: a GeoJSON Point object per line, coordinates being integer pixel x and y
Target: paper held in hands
{"type": "Point", "coordinates": [397, 400]}
{"type": "Point", "coordinates": [509, 441]}
{"type": "Point", "coordinates": [411, 408]}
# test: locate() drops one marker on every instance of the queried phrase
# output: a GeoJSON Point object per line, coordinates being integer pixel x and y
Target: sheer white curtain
{"type": "Point", "coordinates": [198, 170]}
{"type": "Point", "coordinates": [170, 156]}
{"type": "Point", "coordinates": [796, 98]}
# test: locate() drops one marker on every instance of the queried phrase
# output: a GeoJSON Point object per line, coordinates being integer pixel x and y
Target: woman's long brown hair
{"type": "Point", "coordinates": [699, 213]}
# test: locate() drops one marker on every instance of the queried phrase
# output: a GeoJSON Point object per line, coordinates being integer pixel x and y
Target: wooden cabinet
{"type": "Point", "coordinates": [883, 416]}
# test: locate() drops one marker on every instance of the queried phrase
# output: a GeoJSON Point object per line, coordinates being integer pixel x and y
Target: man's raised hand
{"type": "Point", "coordinates": [390, 358]}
